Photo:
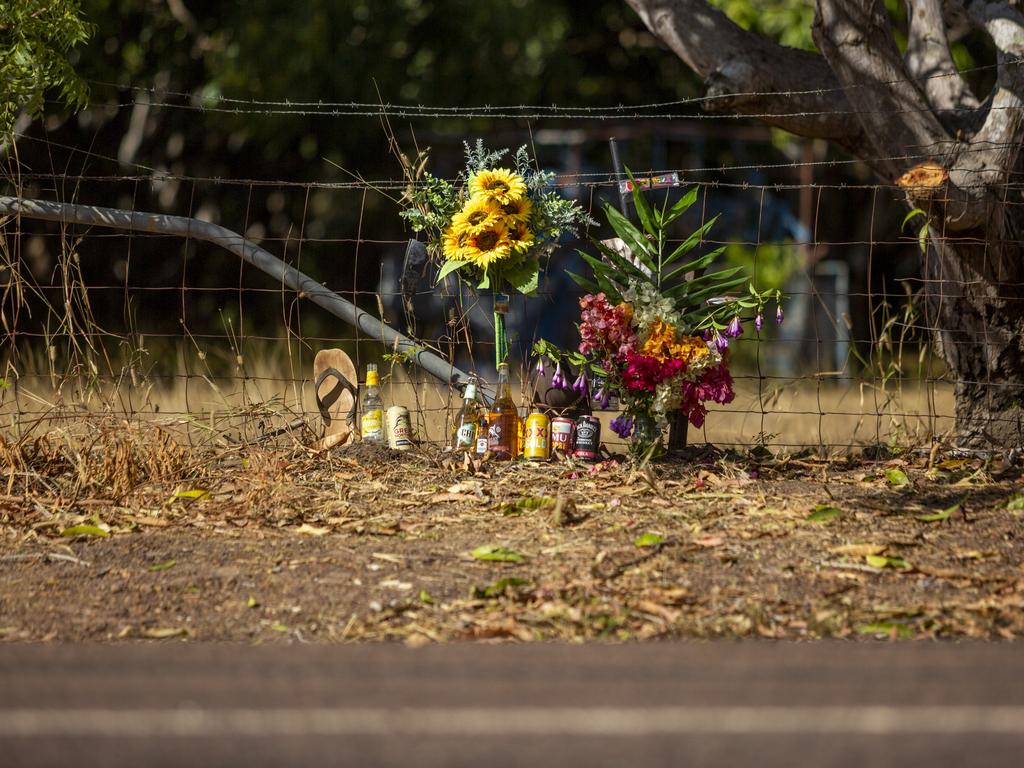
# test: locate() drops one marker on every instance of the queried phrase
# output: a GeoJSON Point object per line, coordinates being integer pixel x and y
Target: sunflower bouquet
{"type": "Point", "coordinates": [496, 220]}
{"type": "Point", "coordinates": [654, 327]}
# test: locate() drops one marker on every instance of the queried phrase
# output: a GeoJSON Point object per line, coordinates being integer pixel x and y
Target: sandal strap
{"type": "Point", "coordinates": [324, 404]}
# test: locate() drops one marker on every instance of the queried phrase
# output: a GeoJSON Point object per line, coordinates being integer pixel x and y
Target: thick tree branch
{"type": "Point", "coordinates": [929, 60]}
{"type": "Point", "coordinates": [982, 165]}
{"type": "Point", "coordinates": [792, 89]}
{"type": "Point", "coordinates": [856, 39]}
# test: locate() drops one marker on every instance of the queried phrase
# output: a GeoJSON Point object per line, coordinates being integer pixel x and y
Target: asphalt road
{"type": "Point", "coordinates": [764, 704]}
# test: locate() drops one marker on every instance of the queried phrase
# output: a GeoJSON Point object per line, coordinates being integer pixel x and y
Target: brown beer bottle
{"type": "Point", "coordinates": [503, 420]}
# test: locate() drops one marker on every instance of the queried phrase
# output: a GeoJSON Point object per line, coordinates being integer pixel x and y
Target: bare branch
{"type": "Point", "coordinates": [856, 39]}
{"type": "Point", "coordinates": [929, 60]}
{"type": "Point", "coordinates": [794, 90]}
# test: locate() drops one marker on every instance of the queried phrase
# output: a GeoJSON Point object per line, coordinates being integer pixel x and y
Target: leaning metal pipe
{"type": "Point", "coordinates": [300, 282]}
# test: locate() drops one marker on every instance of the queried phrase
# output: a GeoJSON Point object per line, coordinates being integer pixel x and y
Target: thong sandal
{"type": "Point", "coordinates": [336, 402]}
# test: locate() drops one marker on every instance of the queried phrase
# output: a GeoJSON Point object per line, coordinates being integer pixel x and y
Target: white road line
{"type": "Point", "coordinates": [509, 721]}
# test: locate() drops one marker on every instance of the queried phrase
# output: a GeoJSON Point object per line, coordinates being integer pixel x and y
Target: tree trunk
{"type": "Point", "coordinates": [911, 117]}
{"type": "Point", "coordinates": [974, 293]}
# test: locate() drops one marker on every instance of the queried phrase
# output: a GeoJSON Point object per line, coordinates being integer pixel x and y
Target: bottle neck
{"type": "Point", "coordinates": [470, 393]}
{"type": "Point", "coordinates": [372, 379]}
{"type": "Point", "coordinates": [504, 388]}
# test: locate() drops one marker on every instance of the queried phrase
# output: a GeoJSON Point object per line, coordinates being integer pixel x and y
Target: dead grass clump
{"type": "Point", "coordinates": [111, 458]}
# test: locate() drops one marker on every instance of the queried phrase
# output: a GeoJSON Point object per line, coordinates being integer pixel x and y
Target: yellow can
{"type": "Point", "coordinates": [537, 437]}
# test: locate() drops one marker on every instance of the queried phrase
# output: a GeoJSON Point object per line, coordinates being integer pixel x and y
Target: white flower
{"type": "Point", "coordinates": [649, 305]}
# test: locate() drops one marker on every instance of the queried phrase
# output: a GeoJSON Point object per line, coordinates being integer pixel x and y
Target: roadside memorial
{"type": "Point", "coordinates": [655, 329]}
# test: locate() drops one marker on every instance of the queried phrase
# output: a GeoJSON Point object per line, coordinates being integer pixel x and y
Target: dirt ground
{"type": "Point", "coordinates": [110, 542]}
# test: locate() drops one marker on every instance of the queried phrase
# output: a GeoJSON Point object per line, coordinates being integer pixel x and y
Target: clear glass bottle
{"type": "Point", "coordinates": [468, 420]}
{"type": "Point", "coordinates": [372, 408]}
{"type": "Point", "coordinates": [503, 420]}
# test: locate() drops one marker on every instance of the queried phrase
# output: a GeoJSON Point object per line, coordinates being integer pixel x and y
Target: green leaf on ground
{"type": "Point", "coordinates": [252, 602]}
{"type": "Point", "coordinates": [527, 503]}
{"type": "Point", "coordinates": [897, 477]}
{"type": "Point", "coordinates": [163, 566]}
{"type": "Point", "coordinates": [938, 517]}
{"type": "Point", "coordinates": [498, 588]}
{"type": "Point", "coordinates": [1016, 502]}
{"type": "Point", "coordinates": [163, 633]}
{"type": "Point", "coordinates": [824, 513]}
{"type": "Point", "coordinates": [498, 554]}
{"type": "Point", "coordinates": [425, 597]}
{"type": "Point", "coordinates": [649, 540]}
{"type": "Point", "coordinates": [85, 530]}
{"type": "Point", "coordinates": [882, 561]}
{"type": "Point", "coordinates": [886, 628]}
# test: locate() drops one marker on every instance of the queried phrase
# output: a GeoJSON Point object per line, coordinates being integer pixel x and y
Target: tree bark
{"type": "Point", "coordinates": [913, 120]}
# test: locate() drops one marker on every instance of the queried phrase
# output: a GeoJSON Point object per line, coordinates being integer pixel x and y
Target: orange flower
{"type": "Point", "coordinates": [660, 341]}
{"type": "Point", "coordinates": [663, 344]}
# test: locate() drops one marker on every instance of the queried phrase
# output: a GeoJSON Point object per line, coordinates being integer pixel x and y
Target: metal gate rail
{"type": "Point", "coordinates": [301, 283]}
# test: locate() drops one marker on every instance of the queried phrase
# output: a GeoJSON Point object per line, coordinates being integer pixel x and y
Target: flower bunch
{"type": "Point", "coordinates": [656, 323]}
{"type": "Point", "coordinates": [494, 221]}
{"type": "Point", "coordinates": [659, 370]}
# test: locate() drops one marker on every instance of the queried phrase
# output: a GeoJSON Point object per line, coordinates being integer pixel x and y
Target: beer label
{"type": "Point", "coordinates": [497, 440]}
{"type": "Point", "coordinates": [399, 430]}
{"type": "Point", "coordinates": [373, 424]}
{"type": "Point", "coordinates": [466, 436]}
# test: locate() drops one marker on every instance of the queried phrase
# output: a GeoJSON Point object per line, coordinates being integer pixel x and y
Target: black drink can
{"type": "Point", "coordinates": [588, 438]}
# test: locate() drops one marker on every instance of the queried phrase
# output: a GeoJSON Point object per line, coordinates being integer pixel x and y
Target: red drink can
{"type": "Point", "coordinates": [588, 438]}
{"type": "Point", "coordinates": [561, 435]}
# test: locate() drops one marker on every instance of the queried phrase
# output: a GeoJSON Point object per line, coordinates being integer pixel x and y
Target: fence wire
{"type": "Point", "coordinates": [151, 327]}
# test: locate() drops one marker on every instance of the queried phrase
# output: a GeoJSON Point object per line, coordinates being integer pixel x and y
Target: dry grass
{"type": "Point", "coordinates": [167, 526]}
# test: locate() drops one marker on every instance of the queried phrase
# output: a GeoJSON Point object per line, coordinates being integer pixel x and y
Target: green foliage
{"type": "Point", "coordinates": [36, 37]}
{"type": "Point", "coordinates": [787, 21]}
{"type": "Point", "coordinates": [700, 301]}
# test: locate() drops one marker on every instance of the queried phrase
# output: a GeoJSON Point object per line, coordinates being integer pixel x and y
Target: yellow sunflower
{"type": "Point", "coordinates": [488, 246]}
{"type": "Point", "coordinates": [518, 209]}
{"type": "Point", "coordinates": [478, 214]}
{"type": "Point", "coordinates": [498, 184]}
{"type": "Point", "coordinates": [454, 244]}
{"type": "Point", "coordinates": [520, 236]}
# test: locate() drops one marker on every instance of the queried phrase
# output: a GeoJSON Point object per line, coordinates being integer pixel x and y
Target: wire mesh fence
{"type": "Point", "coordinates": [151, 326]}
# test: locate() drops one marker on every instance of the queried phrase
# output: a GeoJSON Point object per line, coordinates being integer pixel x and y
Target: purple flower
{"type": "Point", "coordinates": [556, 377]}
{"type": "Point", "coordinates": [758, 321]}
{"type": "Point", "coordinates": [778, 315]}
{"type": "Point", "coordinates": [735, 329]}
{"type": "Point", "coordinates": [622, 426]}
{"type": "Point", "coordinates": [721, 342]}
{"type": "Point", "coordinates": [540, 366]}
{"type": "Point", "coordinates": [580, 385]}
{"type": "Point", "coordinates": [606, 397]}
